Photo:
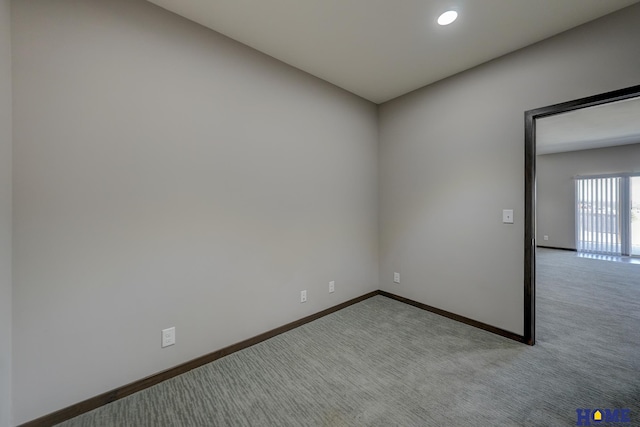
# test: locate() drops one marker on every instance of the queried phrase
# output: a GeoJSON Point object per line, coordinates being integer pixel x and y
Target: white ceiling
{"type": "Point", "coordinates": [606, 125]}
{"type": "Point", "coordinates": [381, 49]}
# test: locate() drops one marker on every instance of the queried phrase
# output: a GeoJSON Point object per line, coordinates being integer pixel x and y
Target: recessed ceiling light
{"type": "Point", "coordinates": [448, 17]}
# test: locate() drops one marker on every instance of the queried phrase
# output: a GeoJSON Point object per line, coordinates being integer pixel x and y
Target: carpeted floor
{"type": "Point", "coordinates": [385, 363]}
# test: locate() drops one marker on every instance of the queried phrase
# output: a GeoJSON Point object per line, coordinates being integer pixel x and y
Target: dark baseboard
{"type": "Point", "coordinates": [457, 317]}
{"type": "Point", "coordinates": [560, 249]}
{"type": "Point", "coordinates": [136, 386]}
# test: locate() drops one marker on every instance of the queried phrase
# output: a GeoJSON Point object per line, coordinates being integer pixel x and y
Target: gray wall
{"type": "Point", "coordinates": [5, 213]}
{"type": "Point", "coordinates": [452, 157]}
{"type": "Point", "coordinates": [556, 187]}
{"type": "Point", "coordinates": [167, 176]}
{"type": "Point", "coordinates": [164, 176]}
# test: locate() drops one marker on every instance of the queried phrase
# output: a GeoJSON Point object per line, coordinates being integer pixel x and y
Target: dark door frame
{"type": "Point", "coordinates": [530, 191]}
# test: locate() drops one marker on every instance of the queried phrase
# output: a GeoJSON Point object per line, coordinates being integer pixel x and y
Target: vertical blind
{"type": "Point", "coordinates": [598, 215]}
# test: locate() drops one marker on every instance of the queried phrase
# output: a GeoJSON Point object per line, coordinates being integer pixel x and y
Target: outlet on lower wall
{"type": "Point", "coordinates": [303, 296]}
{"type": "Point", "coordinates": [168, 337]}
{"type": "Point", "coordinates": [546, 237]}
{"type": "Point", "coordinates": [332, 286]}
{"type": "Point", "coordinates": [396, 277]}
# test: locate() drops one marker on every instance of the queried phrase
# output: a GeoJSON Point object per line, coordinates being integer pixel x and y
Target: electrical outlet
{"type": "Point", "coordinates": [303, 296]}
{"type": "Point", "coordinates": [332, 286]}
{"type": "Point", "coordinates": [168, 337]}
{"type": "Point", "coordinates": [546, 237]}
{"type": "Point", "coordinates": [396, 277]}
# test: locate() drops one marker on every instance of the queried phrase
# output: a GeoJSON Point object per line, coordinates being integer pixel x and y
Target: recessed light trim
{"type": "Point", "coordinates": [448, 17]}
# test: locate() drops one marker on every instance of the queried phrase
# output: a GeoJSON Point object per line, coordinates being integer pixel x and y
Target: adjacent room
{"type": "Point", "coordinates": [587, 292]}
{"type": "Point", "coordinates": [306, 213]}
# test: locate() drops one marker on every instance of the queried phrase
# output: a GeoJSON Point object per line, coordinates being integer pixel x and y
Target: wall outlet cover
{"type": "Point", "coordinates": [168, 337]}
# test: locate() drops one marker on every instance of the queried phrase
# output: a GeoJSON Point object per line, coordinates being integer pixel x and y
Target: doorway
{"type": "Point", "coordinates": [530, 243]}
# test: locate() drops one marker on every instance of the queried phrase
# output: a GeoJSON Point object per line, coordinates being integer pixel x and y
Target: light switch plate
{"type": "Point", "coordinates": [507, 216]}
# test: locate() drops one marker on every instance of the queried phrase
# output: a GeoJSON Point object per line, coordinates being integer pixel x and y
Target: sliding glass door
{"type": "Point", "coordinates": [597, 220]}
{"type": "Point", "coordinates": [608, 215]}
{"type": "Point", "coordinates": [635, 215]}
